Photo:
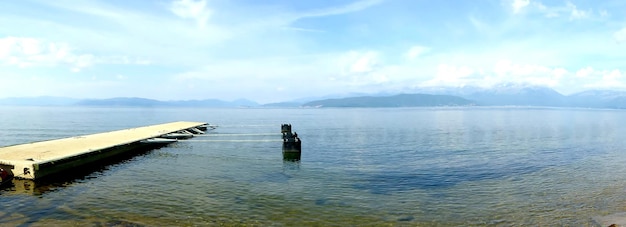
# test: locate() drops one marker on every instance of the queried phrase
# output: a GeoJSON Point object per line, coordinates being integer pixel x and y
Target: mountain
{"type": "Point", "coordinates": [283, 104]}
{"type": "Point", "coordinates": [598, 99]}
{"type": "Point", "coordinates": [340, 96]}
{"type": "Point", "coordinates": [503, 94]}
{"type": "Point", "coordinates": [121, 102]}
{"type": "Point", "coordinates": [518, 96]}
{"type": "Point", "coordinates": [244, 102]}
{"type": "Point", "coordinates": [211, 103]}
{"type": "Point", "coordinates": [141, 102]}
{"type": "Point", "coordinates": [37, 101]}
{"type": "Point", "coordinates": [402, 100]}
{"type": "Point", "coordinates": [454, 91]}
{"type": "Point", "coordinates": [617, 103]}
{"type": "Point", "coordinates": [528, 95]}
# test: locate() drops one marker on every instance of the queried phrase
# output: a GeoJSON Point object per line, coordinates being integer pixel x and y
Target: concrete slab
{"type": "Point", "coordinates": [78, 150]}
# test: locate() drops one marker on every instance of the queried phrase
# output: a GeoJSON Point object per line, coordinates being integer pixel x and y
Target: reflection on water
{"type": "Point", "coordinates": [67, 178]}
{"type": "Point", "coordinates": [291, 165]}
{"type": "Point", "coordinates": [435, 167]}
{"type": "Point", "coordinates": [36, 188]}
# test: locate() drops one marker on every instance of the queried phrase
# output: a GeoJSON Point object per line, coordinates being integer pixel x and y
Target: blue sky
{"type": "Point", "coordinates": [280, 50]}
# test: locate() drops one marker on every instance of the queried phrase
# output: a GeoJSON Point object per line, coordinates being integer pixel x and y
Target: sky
{"type": "Point", "coordinates": [280, 50]}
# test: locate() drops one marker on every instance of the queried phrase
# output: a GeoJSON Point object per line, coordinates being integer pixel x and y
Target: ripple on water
{"type": "Point", "coordinates": [449, 167]}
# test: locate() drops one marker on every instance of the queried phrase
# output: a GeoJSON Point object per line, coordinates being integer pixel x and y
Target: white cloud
{"type": "Point", "coordinates": [416, 51]}
{"type": "Point", "coordinates": [620, 36]}
{"type": "Point", "coordinates": [584, 72]}
{"type": "Point", "coordinates": [507, 68]}
{"type": "Point", "coordinates": [604, 13]}
{"type": "Point", "coordinates": [303, 29]}
{"type": "Point", "coordinates": [353, 7]}
{"type": "Point", "coordinates": [569, 8]}
{"type": "Point", "coordinates": [540, 75]}
{"type": "Point", "coordinates": [559, 72]}
{"type": "Point", "coordinates": [30, 52]}
{"type": "Point", "coordinates": [614, 75]}
{"type": "Point", "coordinates": [355, 62]}
{"type": "Point", "coordinates": [28, 46]}
{"type": "Point", "coordinates": [81, 61]}
{"type": "Point", "coordinates": [27, 52]}
{"type": "Point", "coordinates": [300, 76]}
{"type": "Point", "coordinates": [137, 31]}
{"type": "Point", "coordinates": [12, 45]}
{"type": "Point", "coordinates": [263, 47]}
{"type": "Point", "coordinates": [518, 5]}
{"type": "Point", "coordinates": [590, 78]}
{"type": "Point", "coordinates": [540, 5]}
{"type": "Point", "coordinates": [260, 78]}
{"type": "Point", "coordinates": [502, 67]}
{"type": "Point", "coordinates": [502, 71]}
{"type": "Point", "coordinates": [285, 20]}
{"type": "Point", "coordinates": [608, 79]}
{"type": "Point", "coordinates": [192, 9]}
{"type": "Point", "coordinates": [450, 75]}
{"type": "Point", "coordinates": [365, 63]}
{"type": "Point", "coordinates": [548, 12]}
{"type": "Point", "coordinates": [577, 13]}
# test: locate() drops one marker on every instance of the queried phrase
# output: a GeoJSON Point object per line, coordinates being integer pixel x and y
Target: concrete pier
{"type": "Point", "coordinates": [39, 159]}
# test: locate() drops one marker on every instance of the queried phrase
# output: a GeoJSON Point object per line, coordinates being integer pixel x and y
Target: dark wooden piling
{"type": "Point", "coordinates": [292, 145]}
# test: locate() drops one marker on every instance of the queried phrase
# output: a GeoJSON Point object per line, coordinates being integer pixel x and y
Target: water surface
{"type": "Point", "coordinates": [407, 166]}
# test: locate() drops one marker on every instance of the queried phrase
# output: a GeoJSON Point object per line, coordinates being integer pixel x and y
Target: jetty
{"type": "Point", "coordinates": [41, 159]}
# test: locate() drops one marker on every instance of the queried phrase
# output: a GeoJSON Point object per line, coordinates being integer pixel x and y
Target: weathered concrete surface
{"type": "Point", "coordinates": [87, 148]}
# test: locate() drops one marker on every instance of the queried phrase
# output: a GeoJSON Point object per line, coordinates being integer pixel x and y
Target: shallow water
{"type": "Point", "coordinates": [413, 166]}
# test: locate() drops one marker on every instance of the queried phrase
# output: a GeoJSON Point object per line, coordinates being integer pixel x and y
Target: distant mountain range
{"type": "Point", "coordinates": [504, 95]}
{"type": "Point", "coordinates": [402, 100]}
{"type": "Point", "coordinates": [122, 102]}
{"type": "Point", "coordinates": [141, 102]}
{"type": "Point", "coordinates": [38, 101]}
{"type": "Point", "coordinates": [520, 95]}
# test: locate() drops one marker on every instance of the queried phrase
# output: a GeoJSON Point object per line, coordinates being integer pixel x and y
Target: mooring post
{"type": "Point", "coordinates": [292, 145]}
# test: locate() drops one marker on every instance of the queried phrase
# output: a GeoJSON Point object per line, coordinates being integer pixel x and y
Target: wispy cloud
{"type": "Point", "coordinates": [518, 5]}
{"type": "Point", "coordinates": [567, 10]}
{"type": "Point", "coordinates": [620, 36]}
{"type": "Point", "coordinates": [288, 49]}
{"type": "Point", "coordinates": [304, 29]}
{"type": "Point", "coordinates": [359, 62]}
{"type": "Point", "coordinates": [31, 52]}
{"type": "Point", "coordinates": [285, 19]}
{"type": "Point", "coordinates": [416, 51]}
{"type": "Point", "coordinates": [577, 13]}
{"type": "Point", "coordinates": [606, 79]}
{"type": "Point", "coordinates": [349, 8]}
{"type": "Point", "coordinates": [135, 32]}
{"type": "Point", "coordinates": [196, 10]}
{"type": "Point", "coordinates": [449, 75]}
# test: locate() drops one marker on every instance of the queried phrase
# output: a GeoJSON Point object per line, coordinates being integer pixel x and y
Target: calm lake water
{"type": "Point", "coordinates": [410, 166]}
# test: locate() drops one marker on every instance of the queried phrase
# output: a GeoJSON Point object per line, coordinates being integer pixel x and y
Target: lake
{"type": "Point", "coordinates": [468, 166]}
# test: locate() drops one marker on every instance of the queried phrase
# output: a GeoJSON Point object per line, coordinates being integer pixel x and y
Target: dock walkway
{"type": "Point", "coordinates": [38, 159]}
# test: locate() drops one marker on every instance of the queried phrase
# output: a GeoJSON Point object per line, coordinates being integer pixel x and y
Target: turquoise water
{"type": "Point", "coordinates": [413, 167]}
